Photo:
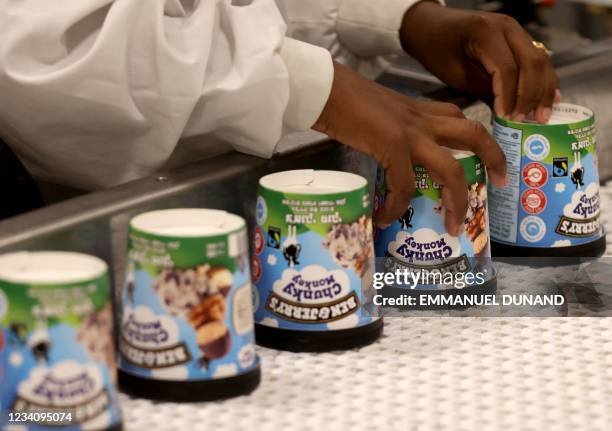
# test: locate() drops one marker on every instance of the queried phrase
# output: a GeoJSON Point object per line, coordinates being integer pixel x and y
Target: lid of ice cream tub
{"type": "Point", "coordinates": [562, 113]}
{"type": "Point", "coordinates": [187, 222]}
{"type": "Point", "coordinates": [314, 182]}
{"type": "Point", "coordinates": [50, 267]}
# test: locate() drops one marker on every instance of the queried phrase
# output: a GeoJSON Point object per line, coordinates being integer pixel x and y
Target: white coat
{"type": "Point", "coordinates": [94, 93]}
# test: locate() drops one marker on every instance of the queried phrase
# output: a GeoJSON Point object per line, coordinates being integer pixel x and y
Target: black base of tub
{"type": "Point", "coordinates": [189, 391]}
{"type": "Point", "coordinates": [564, 254]}
{"type": "Point", "coordinates": [117, 427]}
{"type": "Point", "coordinates": [318, 341]}
{"type": "Point", "coordinates": [442, 296]}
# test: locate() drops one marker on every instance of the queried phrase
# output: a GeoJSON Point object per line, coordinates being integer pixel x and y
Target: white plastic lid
{"type": "Point", "coordinates": [50, 267]}
{"type": "Point", "coordinates": [187, 222]}
{"type": "Point", "coordinates": [567, 113]}
{"type": "Point", "coordinates": [314, 182]}
{"type": "Point", "coordinates": [563, 113]}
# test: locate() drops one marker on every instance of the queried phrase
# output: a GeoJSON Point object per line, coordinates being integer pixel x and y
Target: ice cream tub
{"type": "Point", "coordinates": [551, 205]}
{"type": "Point", "coordinates": [57, 357]}
{"type": "Point", "coordinates": [186, 315]}
{"type": "Point", "coordinates": [312, 260]}
{"type": "Point", "coordinates": [418, 241]}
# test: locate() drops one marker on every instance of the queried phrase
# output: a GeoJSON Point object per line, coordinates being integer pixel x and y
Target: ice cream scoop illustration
{"type": "Point", "coordinates": [577, 171]}
{"type": "Point", "coordinates": [212, 335]}
{"type": "Point", "coordinates": [475, 222]}
{"type": "Point", "coordinates": [350, 244]}
{"type": "Point", "coordinates": [95, 335]}
{"type": "Point", "coordinates": [199, 295]}
{"type": "Point", "coordinates": [291, 246]}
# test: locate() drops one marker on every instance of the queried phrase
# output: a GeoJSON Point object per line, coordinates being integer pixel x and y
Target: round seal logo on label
{"type": "Point", "coordinates": [533, 201]}
{"type": "Point", "coordinates": [537, 147]}
{"type": "Point", "coordinates": [258, 240]}
{"type": "Point", "coordinates": [261, 211]}
{"type": "Point", "coordinates": [255, 269]}
{"type": "Point", "coordinates": [533, 228]}
{"type": "Point", "coordinates": [535, 174]}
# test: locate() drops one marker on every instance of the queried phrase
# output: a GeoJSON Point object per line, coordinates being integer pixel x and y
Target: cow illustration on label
{"type": "Point", "coordinates": [40, 344]}
{"type": "Point", "coordinates": [577, 171]}
{"type": "Point", "coordinates": [291, 247]}
{"type": "Point", "coordinates": [407, 218]}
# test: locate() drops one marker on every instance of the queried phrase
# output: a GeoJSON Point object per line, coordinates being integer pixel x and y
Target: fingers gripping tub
{"type": "Point", "coordinates": [418, 243]}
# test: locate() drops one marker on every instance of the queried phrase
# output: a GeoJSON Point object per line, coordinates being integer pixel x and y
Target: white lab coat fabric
{"type": "Point", "coordinates": [94, 93]}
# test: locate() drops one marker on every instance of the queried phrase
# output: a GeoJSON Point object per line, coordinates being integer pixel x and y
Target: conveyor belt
{"type": "Point", "coordinates": [438, 373]}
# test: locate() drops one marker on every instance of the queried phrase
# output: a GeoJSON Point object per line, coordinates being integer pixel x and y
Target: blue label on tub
{"type": "Point", "coordinates": [186, 309]}
{"type": "Point", "coordinates": [552, 199]}
{"type": "Point", "coordinates": [312, 260]}
{"type": "Point", "coordinates": [418, 240]}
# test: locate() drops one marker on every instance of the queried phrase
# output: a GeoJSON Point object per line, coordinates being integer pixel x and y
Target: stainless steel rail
{"type": "Point", "coordinates": [97, 223]}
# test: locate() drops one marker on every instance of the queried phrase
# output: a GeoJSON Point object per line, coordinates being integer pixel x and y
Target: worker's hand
{"type": "Point", "coordinates": [486, 54]}
{"type": "Point", "coordinates": [399, 132]}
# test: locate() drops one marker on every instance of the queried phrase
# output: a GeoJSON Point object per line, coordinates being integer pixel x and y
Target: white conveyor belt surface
{"type": "Point", "coordinates": [425, 373]}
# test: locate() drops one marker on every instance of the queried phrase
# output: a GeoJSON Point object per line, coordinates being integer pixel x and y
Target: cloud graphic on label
{"type": "Point", "coordinates": [560, 187]}
{"type": "Point", "coordinates": [84, 381]}
{"type": "Point", "coordinates": [349, 321]}
{"type": "Point", "coordinates": [100, 422]}
{"type": "Point", "coordinates": [268, 321]}
{"type": "Point", "coordinates": [562, 243]}
{"type": "Point", "coordinates": [178, 372]}
{"type": "Point", "coordinates": [246, 355]}
{"type": "Point", "coordinates": [242, 316]}
{"type": "Point", "coordinates": [272, 259]}
{"type": "Point", "coordinates": [312, 285]}
{"type": "Point", "coordinates": [424, 246]}
{"type": "Point", "coordinates": [225, 370]}
{"type": "Point", "coordinates": [584, 204]}
{"type": "Point", "coordinates": [16, 359]}
{"type": "Point", "coordinates": [143, 328]}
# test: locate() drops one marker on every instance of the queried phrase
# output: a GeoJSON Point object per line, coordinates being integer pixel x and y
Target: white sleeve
{"type": "Point", "coordinates": [99, 92]}
{"type": "Point", "coordinates": [358, 33]}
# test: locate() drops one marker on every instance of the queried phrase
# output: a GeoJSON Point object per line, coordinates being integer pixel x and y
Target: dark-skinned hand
{"type": "Point", "coordinates": [399, 132]}
{"type": "Point", "coordinates": [489, 55]}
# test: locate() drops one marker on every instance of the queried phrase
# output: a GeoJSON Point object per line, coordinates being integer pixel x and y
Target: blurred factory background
{"type": "Point", "coordinates": [562, 21]}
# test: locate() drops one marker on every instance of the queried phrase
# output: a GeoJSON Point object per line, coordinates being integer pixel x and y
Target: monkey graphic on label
{"type": "Point", "coordinates": [291, 247]}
